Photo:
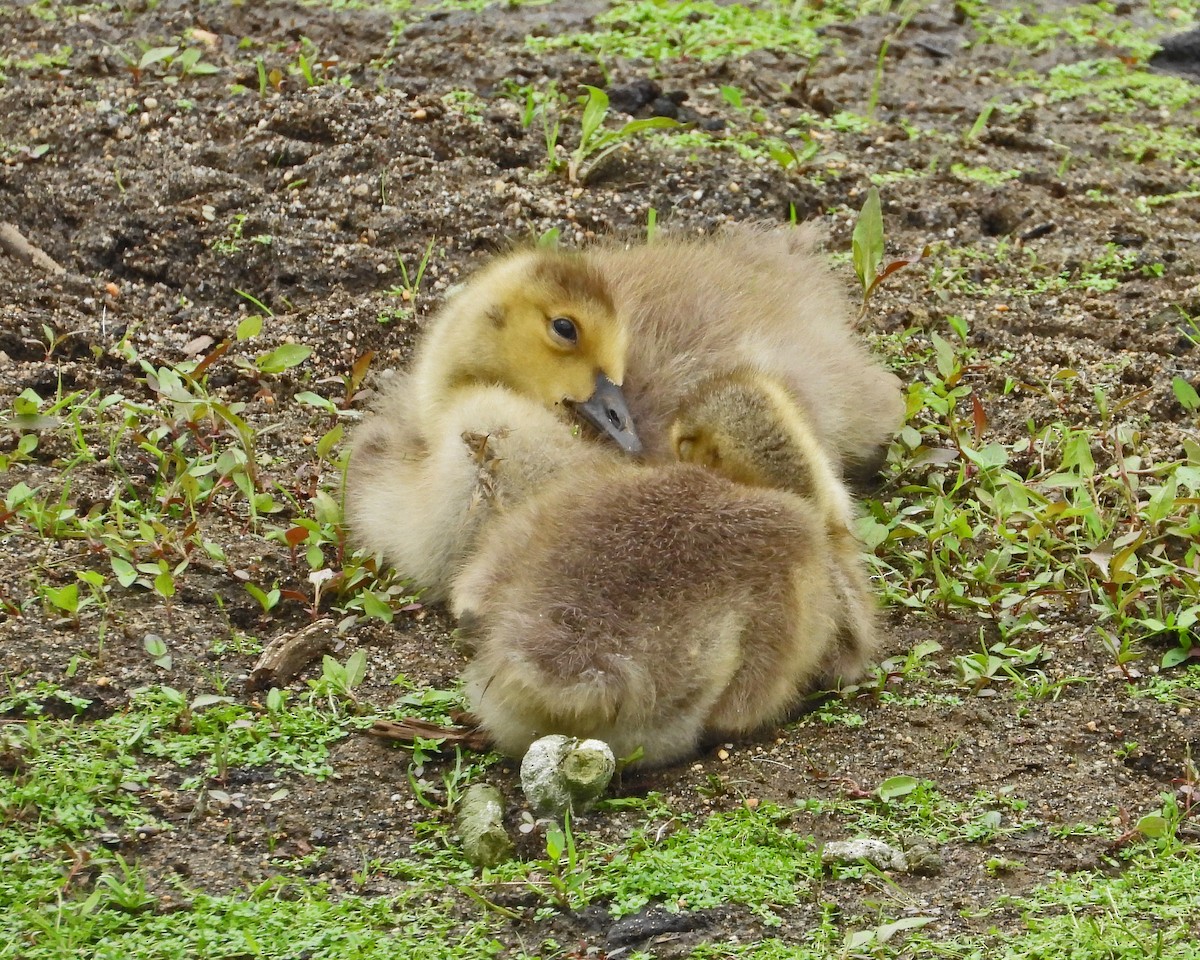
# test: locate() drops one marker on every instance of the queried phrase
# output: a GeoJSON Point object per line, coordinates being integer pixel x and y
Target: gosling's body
{"type": "Point", "coordinates": [756, 297]}
{"type": "Point", "coordinates": [746, 426]}
{"type": "Point", "coordinates": [421, 488]}
{"type": "Point", "coordinates": [652, 607]}
{"type": "Point", "coordinates": [648, 607]}
{"type": "Point", "coordinates": [536, 325]}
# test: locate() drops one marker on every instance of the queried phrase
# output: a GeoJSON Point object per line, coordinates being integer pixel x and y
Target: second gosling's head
{"type": "Point", "coordinates": [745, 425]}
{"type": "Point", "coordinates": [543, 324]}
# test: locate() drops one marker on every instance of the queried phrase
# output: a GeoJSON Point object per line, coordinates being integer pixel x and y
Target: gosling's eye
{"type": "Point", "coordinates": [564, 329]}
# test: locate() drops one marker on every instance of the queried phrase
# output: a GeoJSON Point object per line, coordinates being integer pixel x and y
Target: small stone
{"type": "Point", "coordinates": [923, 860]}
{"type": "Point", "coordinates": [561, 774]}
{"type": "Point", "coordinates": [875, 852]}
{"type": "Point", "coordinates": [485, 842]}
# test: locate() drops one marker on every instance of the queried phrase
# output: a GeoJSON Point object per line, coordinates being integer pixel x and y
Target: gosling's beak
{"type": "Point", "coordinates": [605, 410]}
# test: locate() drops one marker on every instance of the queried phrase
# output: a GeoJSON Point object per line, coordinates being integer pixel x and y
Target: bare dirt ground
{"type": "Point", "coordinates": [151, 194]}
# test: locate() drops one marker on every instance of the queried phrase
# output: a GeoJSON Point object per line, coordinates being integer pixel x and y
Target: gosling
{"type": "Point", "coordinates": [657, 607]}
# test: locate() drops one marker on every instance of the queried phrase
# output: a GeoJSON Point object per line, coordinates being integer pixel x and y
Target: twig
{"type": "Point", "coordinates": [15, 245]}
{"type": "Point", "coordinates": [408, 729]}
{"type": "Point", "coordinates": [286, 656]}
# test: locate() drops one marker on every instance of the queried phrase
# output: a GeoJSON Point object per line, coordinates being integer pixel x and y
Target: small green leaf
{"type": "Point", "coordinates": [251, 326]}
{"type": "Point", "coordinates": [1186, 394]}
{"type": "Point", "coordinates": [594, 111]}
{"type": "Point", "coordinates": [897, 787]}
{"type": "Point", "coordinates": [157, 648]}
{"type": "Point", "coordinates": [871, 532]}
{"type": "Point", "coordinates": [989, 457]}
{"type": "Point", "coordinates": [1153, 826]}
{"type": "Point", "coordinates": [156, 55]}
{"type": "Point", "coordinates": [208, 700]}
{"type": "Point", "coordinates": [925, 648]}
{"type": "Point", "coordinates": [154, 644]}
{"type": "Point", "coordinates": [356, 668]}
{"type": "Point", "coordinates": [867, 242]}
{"type": "Point", "coordinates": [374, 607]}
{"type": "Point", "coordinates": [732, 96]}
{"type": "Point", "coordinates": [92, 578]}
{"type": "Point", "coordinates": [266, 599]}
{"type": "Point", "coordinates": [326, 509]}
{"type": "Point", "coordinates": [1174, 657]}
{"type": "Point", "coordinates": [126, 575]}
{"type": "Point", "coordinates": [17, 494]}
{"type": "Point", "coordinates": [27, 403]}
{"type": "Point", "coordinates": [188, 59]}
{"type": "Point", "coordinates": [310, 399]}
{"type": "Point", "coordinates": [332, 671]}
{"type": "Point", "coordinates": [329, 441]}
{"type": "Point", "coordinates": [943, 357]}
{"type": "Point", "coordinates": [648, 123]}
{"type": "Point", "coordinates": [888, 930]}
{"type": "Point", "coordinates": [283, 357]}
{"type": "Point", "coordinates": [164, 584]}
{"type": "Point", "coordinates": [64, 598]}
{"type": "Point", "coordinates": [1077, 452]}
{"type": "Point", "coordinates": [556, 843]}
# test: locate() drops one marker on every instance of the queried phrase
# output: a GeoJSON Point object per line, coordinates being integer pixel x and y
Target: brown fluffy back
{"type": "Point", "coordinates": [645, 606]}
{"type": "Point", "coordinates": [748, 296]}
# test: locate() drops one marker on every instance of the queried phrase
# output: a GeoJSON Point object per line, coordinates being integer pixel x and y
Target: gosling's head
{"type": "Point", "coordinates": [542, 323]}
{"type": "Point", "coordinates": [744, 425]}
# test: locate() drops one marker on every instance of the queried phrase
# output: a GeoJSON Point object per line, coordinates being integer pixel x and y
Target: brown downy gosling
{"type": "Point", "coordinates": [537, 324]}
{"type": "Point", "coordinates": [749, 296]}
{"type": "Point", "coordinates": [654, 607]}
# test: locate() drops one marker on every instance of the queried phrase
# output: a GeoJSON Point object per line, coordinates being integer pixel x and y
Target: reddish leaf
{"type": "Point", "coordinates": [213, 356]}
{"type": "Point", "coordinates": [359, 369]}
{"type": "Point", "coordinates": [895, 265]}
{"type": "Point", "coordinates": [296, 536]}
{"type": "Point", "coordinates": [981, 418]}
